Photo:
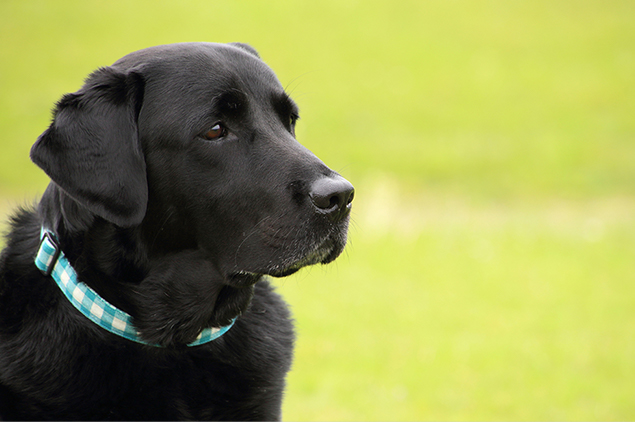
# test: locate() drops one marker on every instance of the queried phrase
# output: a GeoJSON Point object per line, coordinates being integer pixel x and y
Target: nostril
{"type": "Point", "coordinates": [331, 195]}
{"type": "Point", "coordinates": [334, 201]}
{"type": "Point", "coordinates": [349, 200]}
{"type": "Point", "coordinates": [324, 202]}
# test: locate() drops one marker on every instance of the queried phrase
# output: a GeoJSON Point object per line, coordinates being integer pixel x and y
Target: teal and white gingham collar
{"type": "Point", "coordinates": [51, 261]}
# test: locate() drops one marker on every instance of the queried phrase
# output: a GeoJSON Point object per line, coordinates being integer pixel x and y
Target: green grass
{"type": "Point", "coordinates": [491, 269]}
{"type": "Point", "coordinates": [480, 313]}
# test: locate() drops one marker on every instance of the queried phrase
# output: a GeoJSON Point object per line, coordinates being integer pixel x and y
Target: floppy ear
{"type": "Point", "coordinates": [92, 148]}
{"type": "Point", "coordinates": [245, 47]}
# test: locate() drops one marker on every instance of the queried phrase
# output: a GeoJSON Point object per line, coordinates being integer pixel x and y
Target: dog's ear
{"type": "Point", "coordinates": [92, 148]}
{"type": "Point", "coordinates": [246, 47]}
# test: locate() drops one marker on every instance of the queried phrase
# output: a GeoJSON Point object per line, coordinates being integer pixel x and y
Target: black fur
{"type": "Point", "coordinates": [176, 225]}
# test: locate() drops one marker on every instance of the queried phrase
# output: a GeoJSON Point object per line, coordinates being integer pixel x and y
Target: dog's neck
{"type": "Point", "coordinates": [117, 264]}
{"type": "Point", "coordinates": [83, 237]}
{"type": "Point", "coordinates": [51, 260]}
{"type": "Point", "coordinates": [62, 213]}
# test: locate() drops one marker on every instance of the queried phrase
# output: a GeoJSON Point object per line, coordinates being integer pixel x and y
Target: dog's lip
{"type": "Point", "coordinates": [326, 252]}
{"type": "Point", "coordinates": [320, 251]}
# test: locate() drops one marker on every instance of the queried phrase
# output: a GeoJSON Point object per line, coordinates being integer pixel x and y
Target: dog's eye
{"type": "Point", "coordinates": [216, 132]}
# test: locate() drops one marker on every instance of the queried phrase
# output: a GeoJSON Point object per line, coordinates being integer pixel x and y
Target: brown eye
{"type": "Point", "coordinates": [216, 132]}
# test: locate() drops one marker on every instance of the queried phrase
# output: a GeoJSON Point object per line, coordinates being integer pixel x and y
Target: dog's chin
{"type": "Point", "coordinates": [327, 252]}
{"type": "Point", "coordinates": [323, 252]}
{"type": "Point", "coordinates": [243, 279]}
{"type": "Point", "coordinates": [231, 303]}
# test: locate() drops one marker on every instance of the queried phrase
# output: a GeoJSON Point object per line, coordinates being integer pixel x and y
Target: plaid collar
{"type": "Point", "coordinates": [51, 261]}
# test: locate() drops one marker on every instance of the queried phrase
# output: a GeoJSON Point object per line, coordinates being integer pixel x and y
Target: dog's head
{"type": "Point", "coordinates": [195, 144]}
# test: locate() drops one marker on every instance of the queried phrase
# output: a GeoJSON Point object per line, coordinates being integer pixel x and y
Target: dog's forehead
{"type": "Point", "coordinates": [187, 64]}
{"type": "Point", "coordinates": [184, 82]}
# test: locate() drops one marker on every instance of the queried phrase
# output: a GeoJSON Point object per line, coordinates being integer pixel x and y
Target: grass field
{"type": "Point", "coordinates": [491, 269]}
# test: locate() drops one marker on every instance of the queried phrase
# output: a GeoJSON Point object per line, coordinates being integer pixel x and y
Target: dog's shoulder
{"type": "Point", "coordinates": [17, 257]}
{"type": "Point", "coordinates": [269, 318]}
{"type": "Point", "coordinates": [261, 339]}
{"type": "Point", "coordinates": [34, 325]}
{"type": "Point", "coordinates": [22, 235]}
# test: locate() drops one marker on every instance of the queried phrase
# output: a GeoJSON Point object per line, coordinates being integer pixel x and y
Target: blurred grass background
{"type": "Point", "coordinates": [491, 269]}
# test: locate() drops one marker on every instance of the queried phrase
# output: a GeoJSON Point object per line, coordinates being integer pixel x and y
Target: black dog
{"type": "Point", "coordinates": [177, 185]}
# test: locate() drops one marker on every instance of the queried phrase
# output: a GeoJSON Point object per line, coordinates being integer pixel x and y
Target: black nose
{"type": "Point", "coordinates": [332, 196]}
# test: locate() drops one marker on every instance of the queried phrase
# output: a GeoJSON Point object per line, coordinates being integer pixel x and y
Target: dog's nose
{"type": "Point", "coordinates": [332, 196]}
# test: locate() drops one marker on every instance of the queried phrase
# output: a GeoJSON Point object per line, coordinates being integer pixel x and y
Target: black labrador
{"type": "Point", "coordinates": [177, 187]}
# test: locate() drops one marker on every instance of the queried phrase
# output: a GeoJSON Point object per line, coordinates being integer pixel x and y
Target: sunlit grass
{"type": "Point", "coordinates": [475, 313]}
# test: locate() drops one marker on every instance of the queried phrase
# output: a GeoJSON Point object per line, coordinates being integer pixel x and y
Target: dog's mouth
{"type": "Point", "coordinates": [280, 249]}
{"type": "Point", "coordinates": [235, 296]}
{"type": "Point", "coordinates": [324, 252]}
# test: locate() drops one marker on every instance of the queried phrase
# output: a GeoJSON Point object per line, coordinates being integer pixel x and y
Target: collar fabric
{"type": "Point", "coordinates": [51, 261]}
